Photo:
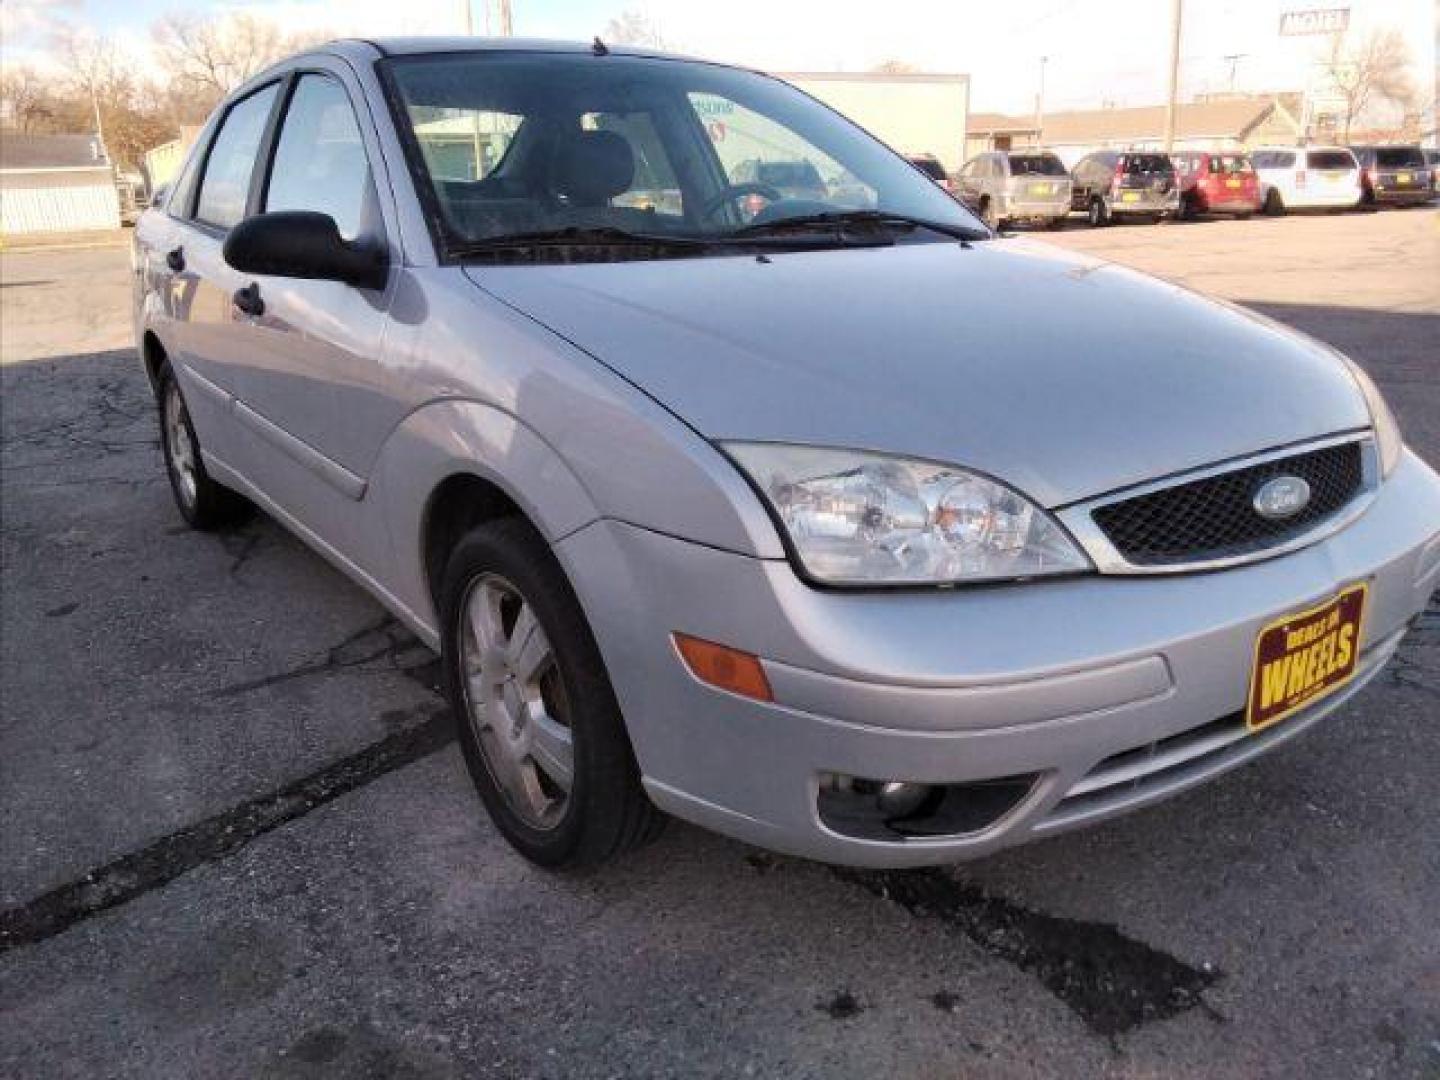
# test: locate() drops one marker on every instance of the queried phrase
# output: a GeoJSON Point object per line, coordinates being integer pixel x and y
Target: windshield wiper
{"type": "Point", "coordinates": [574, 236]}
{"type": "Point", "coordinates": [838, 219]}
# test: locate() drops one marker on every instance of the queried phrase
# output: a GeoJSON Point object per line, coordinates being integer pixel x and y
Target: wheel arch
{"type": "Point", "coordinates": [452, 465]}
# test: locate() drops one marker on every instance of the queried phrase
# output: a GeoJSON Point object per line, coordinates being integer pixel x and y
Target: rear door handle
{"type": "Point", "coordinates": [248, 300]}
{"type": "Point", "coordinates": [175, 259]}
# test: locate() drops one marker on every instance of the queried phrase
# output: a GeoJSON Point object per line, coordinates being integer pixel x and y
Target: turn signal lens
{"type": "Point", "coordinates": [729, 669]}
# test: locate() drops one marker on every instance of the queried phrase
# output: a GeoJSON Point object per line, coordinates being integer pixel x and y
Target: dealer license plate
{"type": "Point", "coordinates": [1304, 657]}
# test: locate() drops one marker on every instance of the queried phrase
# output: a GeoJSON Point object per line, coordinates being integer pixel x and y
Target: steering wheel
{"type": "Point", "coordinates": [731, 192]}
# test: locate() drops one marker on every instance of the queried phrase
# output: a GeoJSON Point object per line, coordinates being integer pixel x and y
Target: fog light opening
{"type": "Point", "coordinates": [897, 810]}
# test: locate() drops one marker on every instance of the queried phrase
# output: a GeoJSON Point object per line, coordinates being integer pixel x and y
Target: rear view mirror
{"type": "Point", "coordinates": [303, 244]}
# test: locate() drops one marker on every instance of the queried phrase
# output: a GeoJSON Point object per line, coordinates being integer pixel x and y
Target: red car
{"type": "Point", "coordinates": [1216, 183]}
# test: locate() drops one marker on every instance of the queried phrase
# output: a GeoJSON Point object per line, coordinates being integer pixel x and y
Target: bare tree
{"type": "Point", "coordinates": [26, 98]}
{"type": "Point", "coordinates": [634, 28]}
{"type": "Point", "coordinates": [214, 55]}
{"type": "Point", "coordinates": [1376, 70]}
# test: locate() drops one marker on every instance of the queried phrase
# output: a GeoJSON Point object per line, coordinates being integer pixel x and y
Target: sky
{"type": "Point", "coordinates": [1099, 51]}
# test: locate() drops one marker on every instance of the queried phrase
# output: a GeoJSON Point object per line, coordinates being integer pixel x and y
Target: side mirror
{"type": "Point", "coordinates": [303, 244]}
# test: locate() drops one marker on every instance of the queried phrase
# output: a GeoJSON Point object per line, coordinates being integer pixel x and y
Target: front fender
{"type": "Point", "coordinates": [451, 437]}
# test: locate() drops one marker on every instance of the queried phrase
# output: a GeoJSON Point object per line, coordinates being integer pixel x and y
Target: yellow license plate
{"type": "Point", "coordinates": [1304, 657]}
{"type": "Point", "coordinates": [1043, 189]}
{"type": "Point", "coordinates": [1232, 183]}
{"type": "Point", "coordinates": [1130, 196]}
{"type": "Point", "coordinates": [1332, 176]}
{"type": "Point", "coordinates": [1402, 178]}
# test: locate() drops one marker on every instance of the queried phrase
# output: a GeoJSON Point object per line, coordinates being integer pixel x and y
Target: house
{"type": "Point", "coordinates": [161, 164]}
{"type": "Point", "coordinates": [1219, 123]}
{"type": "Point", "coordinates": [55, 183]}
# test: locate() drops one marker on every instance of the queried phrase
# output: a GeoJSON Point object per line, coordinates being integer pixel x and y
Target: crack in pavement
{"type": "Point", "coordinates": [157, 864]}
{"type": "Point", "coordinates": [1112, 982]}
{"type": "Point", "coordinates": [1407, 668]}
{"type": "Point", "coordinates": [384, 639]}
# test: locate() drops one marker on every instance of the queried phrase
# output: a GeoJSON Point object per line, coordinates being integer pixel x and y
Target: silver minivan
{"type": "Point", "coordinates": [1016, 185]}
{"type": "Point", "coordinates": [857, 533]}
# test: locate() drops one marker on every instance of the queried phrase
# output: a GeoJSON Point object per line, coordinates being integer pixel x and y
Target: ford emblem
{"type": "Point", "coordinates": [1281, 497]}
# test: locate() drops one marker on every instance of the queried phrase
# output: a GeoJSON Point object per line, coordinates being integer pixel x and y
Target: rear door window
{"type": "Point", "coordinates": [1230, 164]}
{"type": "Point", "coordinates": [1329, 159]}
{"type": "Point", "coordinates": [225, 189]}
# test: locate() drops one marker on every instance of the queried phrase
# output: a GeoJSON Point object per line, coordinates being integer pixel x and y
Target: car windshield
{"type": "Point", "coordinates": [1036, 165]}
{"type": "Point", "coordinates": [1399, 157]}
{"type": "Point", "coordinates": [513, 147]}
{"type": "Point", "coordinates": [1329, 159]}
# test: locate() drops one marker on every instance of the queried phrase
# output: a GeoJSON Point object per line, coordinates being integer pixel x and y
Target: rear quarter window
{"type": "Point", "coordinates": [1273, 159]}
{"type": "Point", "coordinates": [1329, 159]}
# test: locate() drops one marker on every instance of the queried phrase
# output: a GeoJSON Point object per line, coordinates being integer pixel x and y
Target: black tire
{"type": "Point", "coordinates": [204, 503]}
{"type": "Point", "coordinates": [988, 215]}
{"type": "Point", "coordinates": [1242, 217]}
{"type": "Point", "coordinates": [606, 812]}
{"type": "Point", "coordinates": [1274, 204]}
{"type": "Point", "coordinates": [1095, 213]}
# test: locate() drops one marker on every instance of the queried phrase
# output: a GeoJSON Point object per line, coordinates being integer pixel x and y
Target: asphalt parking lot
{"type": "Point", "coordinates": [238, 840]}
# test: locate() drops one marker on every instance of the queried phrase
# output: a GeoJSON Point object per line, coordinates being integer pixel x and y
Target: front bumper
{"type": "Point", "coordinates": [1060, 679]}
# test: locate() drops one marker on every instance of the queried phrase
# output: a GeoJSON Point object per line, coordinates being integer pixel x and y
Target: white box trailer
{"type": "Point", "coordinates": [912, 113]}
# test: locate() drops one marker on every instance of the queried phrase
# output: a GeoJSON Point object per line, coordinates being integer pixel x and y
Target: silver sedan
{"type": "Point", "coordinates": [860, 534]}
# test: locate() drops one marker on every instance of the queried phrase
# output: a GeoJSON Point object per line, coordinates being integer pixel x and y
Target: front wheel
{"type": "Point", "coordinates": [1096, 214]}
{"type": "Point", "coordinates": [536, 716]}
{"type": "Point", "coordinates": [1274, 204]}
{"type": "Point", "coordinates": [203, 503]}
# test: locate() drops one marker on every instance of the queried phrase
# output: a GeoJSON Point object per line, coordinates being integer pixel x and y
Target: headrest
{"type": "Point", "coordinates": [591, 167]}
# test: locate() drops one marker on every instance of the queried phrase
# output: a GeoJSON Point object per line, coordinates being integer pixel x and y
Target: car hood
{"type": "Point", "coordinates": [1064, 376]}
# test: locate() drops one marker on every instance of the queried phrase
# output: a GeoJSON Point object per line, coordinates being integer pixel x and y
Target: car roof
{"type": "Point", "coordinates": [422, 45]}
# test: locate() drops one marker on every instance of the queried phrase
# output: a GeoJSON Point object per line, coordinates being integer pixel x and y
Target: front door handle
{"type": "Point", "coordinates": [175, 259]}
{"type": "Point", "coordinates": [248, 300]}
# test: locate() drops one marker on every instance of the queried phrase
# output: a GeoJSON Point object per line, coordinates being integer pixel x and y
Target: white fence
{"type": "Point", "coordinates": [58, 200]}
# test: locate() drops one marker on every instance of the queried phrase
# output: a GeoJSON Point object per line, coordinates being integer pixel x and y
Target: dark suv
{"type": "Point", "coordinates": [1394, 175]}
{"type": "Point", "coordinates": [1110, 184]}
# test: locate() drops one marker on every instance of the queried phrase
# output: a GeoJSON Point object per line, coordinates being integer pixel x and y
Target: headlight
{"type": "Point", "coordinates": [858, 518]}
{"type": "Point", "coordinates": [1387, 431]}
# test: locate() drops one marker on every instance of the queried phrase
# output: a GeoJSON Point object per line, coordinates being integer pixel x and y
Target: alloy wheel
{"type": "Point", "coordinates": [180, 444]}
{"type": "Point", "coordinates": [515, 701]}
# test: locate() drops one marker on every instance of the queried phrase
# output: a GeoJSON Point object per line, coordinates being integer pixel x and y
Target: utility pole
{"type": "Point", "coordinates": [1233, 59]}
{"type": "Point", "coordinates": [507, 27]}
{"type": "Point", "coordinates": [1174, 74]}
{"type": "Point", "coordinates": [1040, 106]}
{"type": "Point", "coordinates": [469, 18]}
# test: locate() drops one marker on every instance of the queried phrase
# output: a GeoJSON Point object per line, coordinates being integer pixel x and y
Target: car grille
{"type": "Point", "coordinates": [1214, 517]}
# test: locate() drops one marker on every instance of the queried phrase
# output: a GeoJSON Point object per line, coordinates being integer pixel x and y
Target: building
{"type": "Point", "coordinates": [161, 164]}
{"type": "Point", "coordinates": [55, 183]}
{"type": "Point", "coordinates": [912, 112]}
{"type": "Point", "coordinates": [1219, 123]}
